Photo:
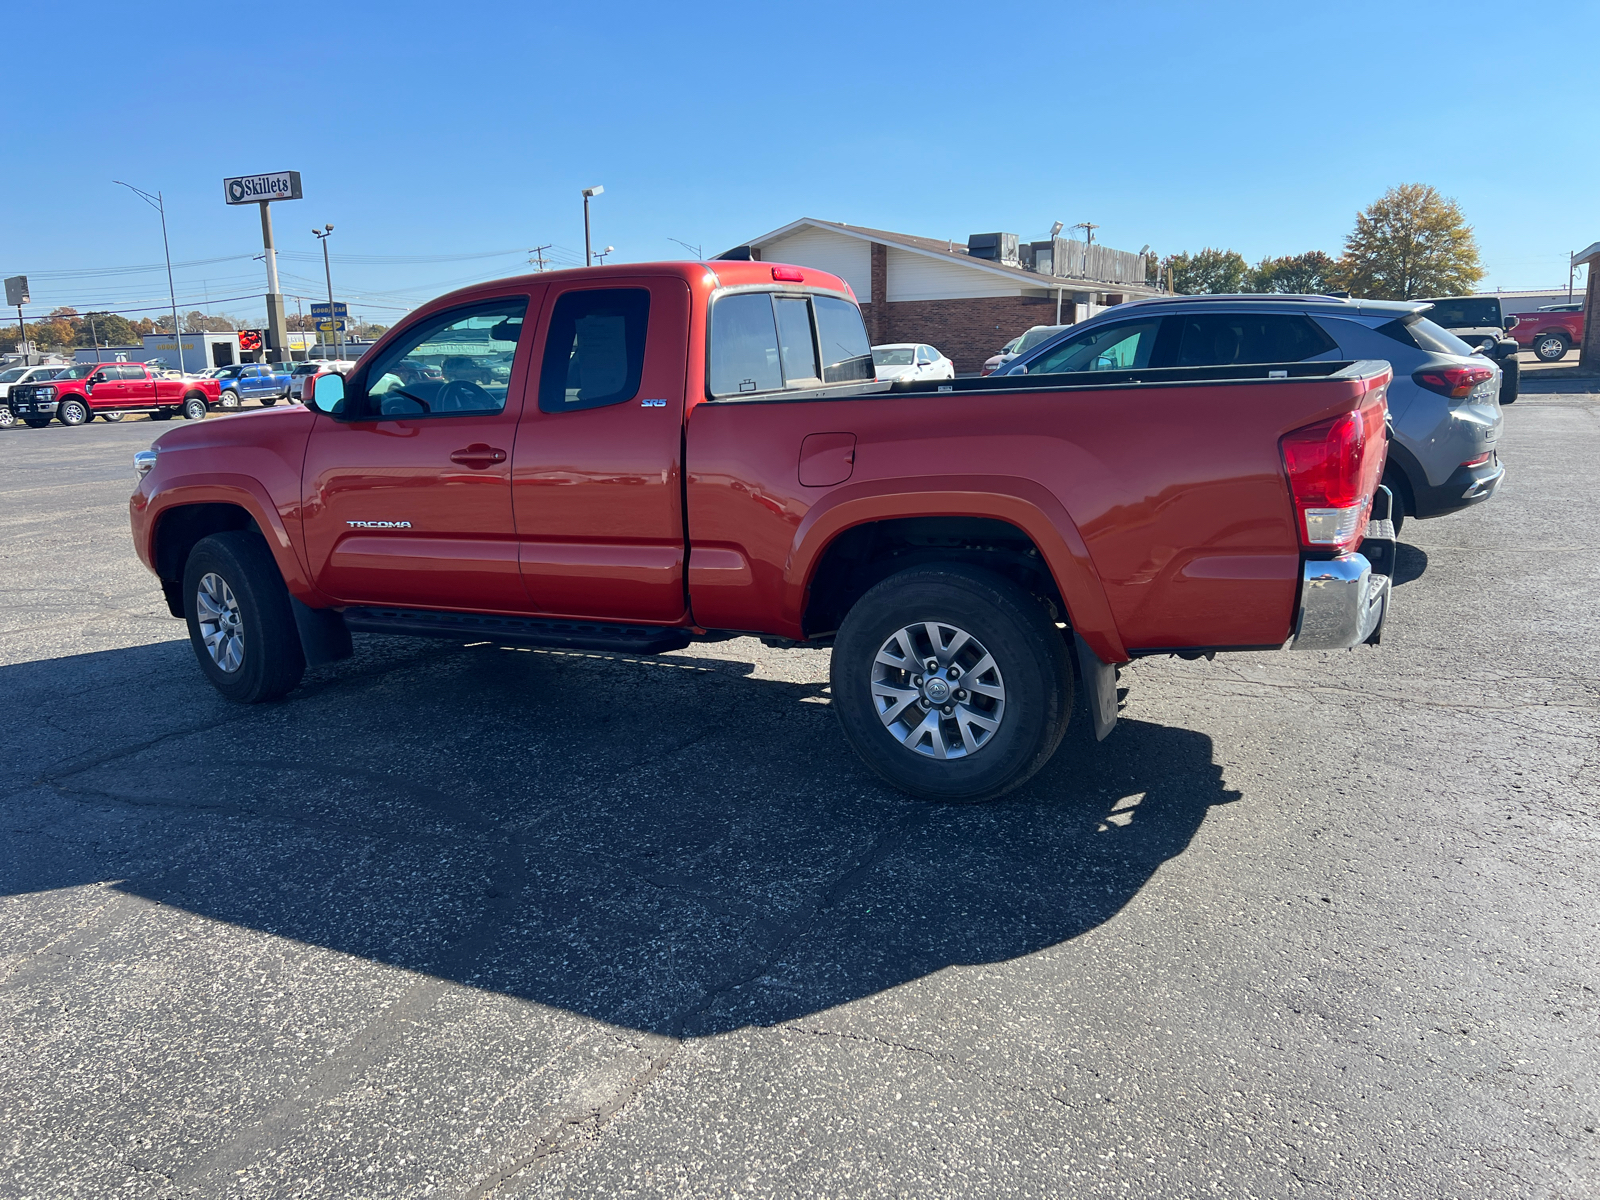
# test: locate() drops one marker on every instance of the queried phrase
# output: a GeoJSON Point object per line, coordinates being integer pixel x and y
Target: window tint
{"type": "Point", "coordinates": [1036, 336]}
{"type": "Point", "coordinates": [13, 375]}
{"type": "Point", "coordinates": [453, 364]}
{"type": "Point", "coordinates": [892, 356]}
{"type": "Point", "coordinates": [846, 352]}
{"type": "Point", "coordinates": [130, 373]}
{"type": "Point", "coordinates": [1220, 339]}
{"type": "Point", "coordinates": [1465, 311]}
{"type": "Point", "coordinates": [744, 345]}
{"type": "Point", "coordinates": [594, 354]}
{"type": "Point", "coordinates": [923, 357]}
{"type": "Point", "coordinates": [1106, 348]}
{"type": "Point", "coordinates": [796, 349]}
{"type": "Point", "coordinates": [1428, 336]}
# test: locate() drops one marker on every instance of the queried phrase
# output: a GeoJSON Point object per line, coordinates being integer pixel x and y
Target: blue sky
{"type": "Point", "coordinates": [471, 129]}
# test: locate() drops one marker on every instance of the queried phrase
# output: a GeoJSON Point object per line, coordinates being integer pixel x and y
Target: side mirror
{"type": "Point", "coordinates": [327, 395]}
{"type": "Point", "coordinates": [98, 377]}
{"type": "Point", "coordinates": [1512, 322]}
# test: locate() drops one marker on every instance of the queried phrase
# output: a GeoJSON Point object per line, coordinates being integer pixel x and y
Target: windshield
{"type": "Point", "coordinates": [12, 375]}
{"type": "Point", "coordinates": [1430, 336]}
{"type": "Point", "coordinates": [1465, 312]}
{"type": "Point", "coordinates": [892, 356]}
{"type": "Point", "coordinates": [81, 371]}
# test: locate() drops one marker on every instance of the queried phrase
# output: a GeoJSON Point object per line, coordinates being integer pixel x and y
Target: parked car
{"type": "Point", "coordinates": [1021, 345]}
{"type": "Point", "coordinates": [252, 381]}
{"type": "Point", "coordinates": [628, 458]}
{"type": "Point", "coordinates": [1552, 331]}
{"type": "Point", "coordinates": [110, 391]}
{"type": "Point", "coordinates": [906, 362]}
{"type": "Point", "coordinates": [21, 375]}
{"type": "Point", "coordinates": [1443, 402]}
{"type": "Point", "coordinates": [304, 372]}
{"type": "Point", "coordinates": [1480, 322]}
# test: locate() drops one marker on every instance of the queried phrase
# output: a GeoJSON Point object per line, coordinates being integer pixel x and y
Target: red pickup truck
{"type": "Point", "coordinates": [111, 391]}
{"type": "Point", "coordinates": [1551, 331]}
{"type": "Point", "coordinates": [633, 458]}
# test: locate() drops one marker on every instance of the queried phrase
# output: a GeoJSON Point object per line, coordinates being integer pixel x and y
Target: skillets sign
{"type": "Point", "coordinates": [258, 189]}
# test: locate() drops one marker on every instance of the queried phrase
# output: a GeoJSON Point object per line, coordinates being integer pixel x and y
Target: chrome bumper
{"type": "Point", "coordinates": [1342, 604]}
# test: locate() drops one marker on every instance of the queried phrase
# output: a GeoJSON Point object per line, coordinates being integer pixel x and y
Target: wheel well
{"type": "Point", "coordinates": [180, 528]}
{"type": "Point", "coordinates": [194, 395]}
{"type": "Point", "coordinates": [864, 555]}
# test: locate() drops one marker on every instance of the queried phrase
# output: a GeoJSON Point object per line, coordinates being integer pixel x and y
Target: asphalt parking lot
{"type": "Point", "coordinates": [464, 921]}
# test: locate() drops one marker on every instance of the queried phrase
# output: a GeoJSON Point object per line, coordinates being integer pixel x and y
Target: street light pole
{"type": "Point", "coordinates": [588, 193]}
{"type": "Point", "coordinates": [327, 270]}
{"type": "Point", "coordinates": [158, 203]}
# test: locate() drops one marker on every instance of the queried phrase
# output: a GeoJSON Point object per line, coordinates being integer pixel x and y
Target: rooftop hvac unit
{"type": "Point", "coordinates": [996, 247]}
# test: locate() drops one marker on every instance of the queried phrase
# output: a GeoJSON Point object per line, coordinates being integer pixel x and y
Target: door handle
{"type": "Point", "coordinates": [478, 456]}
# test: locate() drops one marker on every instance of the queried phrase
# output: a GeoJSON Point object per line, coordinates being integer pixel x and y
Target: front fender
{"type": "Point", "coordinates": [216, 487]}
{"type": "Point", "coordinates": [1020, 502]}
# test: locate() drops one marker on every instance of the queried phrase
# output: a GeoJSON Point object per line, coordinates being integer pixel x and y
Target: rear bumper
{"type": "Point", "coordinates": [1342, 604]}
{"type": "Point", "coordinates": [1465, 487]}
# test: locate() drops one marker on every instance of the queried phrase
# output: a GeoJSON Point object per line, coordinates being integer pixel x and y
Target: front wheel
{"type": "Point", "coordinates": [228, 399]}
{"type": "Point", "coordinates": [1552, 347]}
{"type": "Point", "coordinates": [72, 411]}
{"type": "Point", "coordinates": [7, 417]}
{"type": "Point", "coordinates": [194, 409]}
{"type": "Point", "coordinates": [952, 683]}
{"type": "Point", "coordinates": [162, 414]}
{"type": "Point", "coordinates": [240, 623]}
{"type": "Point", "coordinates": [36, 422]}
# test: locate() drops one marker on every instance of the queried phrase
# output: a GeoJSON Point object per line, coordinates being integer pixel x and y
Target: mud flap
{"type": "Point", "coordinates": [1099, 688]}
{"type": "Point", "coordinates": [323, 635]}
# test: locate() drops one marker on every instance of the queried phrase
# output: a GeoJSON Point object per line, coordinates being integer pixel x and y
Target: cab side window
{"type": "Point", "coordinates": [455, 363]}
{"type": "Point", "coordinates": [1222, 339]}
{"type": "Point", "coordinates": [129, 373]}
{"type": "Point", "coordinates": [594, 352]}
{"type": "Point", "coordinates": [1121, 347]}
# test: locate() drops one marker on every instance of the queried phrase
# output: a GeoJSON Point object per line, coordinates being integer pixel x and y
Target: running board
{"type": "Point", "coordinates": [518, 631]}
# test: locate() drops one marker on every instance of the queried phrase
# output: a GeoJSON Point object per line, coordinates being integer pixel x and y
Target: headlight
{"type": "Point", "coordinates": [47, 392]}
{"type": "Point", "coordinates": [143, 461]}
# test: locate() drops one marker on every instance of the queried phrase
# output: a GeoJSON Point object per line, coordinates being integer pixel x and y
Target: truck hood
{"type": "Point", "coordinates": [240, 429]}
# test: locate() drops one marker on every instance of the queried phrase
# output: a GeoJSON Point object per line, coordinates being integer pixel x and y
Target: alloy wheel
{"type": "Point", "coordinates": [221, 623]}
{"type": "Point", "coordinates": [938, 691]}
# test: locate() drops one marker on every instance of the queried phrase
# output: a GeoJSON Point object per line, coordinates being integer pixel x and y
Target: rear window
{"type": "Point", "coordinates": [894, 356]}
{"type": "Point", "coordinates": [762, 342]}
{"type": "Point", "coordinates": [1036, 336]}
{"type": "Point", "coordinates": [1465, 312]}
{"type": "Point", "coordinates": [1424, 335]}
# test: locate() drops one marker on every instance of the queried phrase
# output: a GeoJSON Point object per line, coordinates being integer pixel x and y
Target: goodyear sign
{"type": "Point", "coordinates": [255, 189]}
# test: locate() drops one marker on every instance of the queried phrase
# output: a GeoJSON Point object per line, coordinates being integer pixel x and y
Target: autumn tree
{"type": "Point", "coordinates": [1308, 274]}
{"type": "Point", "coordinates": [106, 329]}
{"type": "Point", "coordinates": [1409, 242]}
{"type": "Point", "coordinates": [1209, 272]}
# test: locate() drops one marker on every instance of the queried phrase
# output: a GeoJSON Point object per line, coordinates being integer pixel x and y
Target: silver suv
{"type": "Point", "coordinates": [1444, 407]}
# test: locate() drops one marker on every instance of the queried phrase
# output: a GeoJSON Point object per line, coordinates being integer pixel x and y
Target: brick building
{"type": "Point", "coordinates": [916, 289]}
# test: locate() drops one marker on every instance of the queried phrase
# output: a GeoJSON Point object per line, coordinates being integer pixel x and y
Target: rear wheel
{"type": "Point", "coordinates": [952, 683]}
{"type": "Point", "coordinates": [1397, 492]}
{"type": "Point", "coordinates": [194, 408]}
{"type": "Point", "coordinates": [36, 422]}
{"type": "Point", "coordinates": [269, 401]}
{"type": "Point", "coordinates": [240, 623]}
{"type": "Point", "coordinates": [72, 411]}
{"type": "Point", "coordinates": [1552, 347]}
{"type": "Point", "coordinates": [1510, 380]}
{"type": "Point", "coordinates": [162, 414]}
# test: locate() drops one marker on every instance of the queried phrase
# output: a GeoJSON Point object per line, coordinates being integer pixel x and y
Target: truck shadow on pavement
{"type": "Point", "coordinates": [669, 845]}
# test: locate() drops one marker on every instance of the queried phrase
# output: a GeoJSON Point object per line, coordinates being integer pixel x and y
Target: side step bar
{"type": "Point", "coordinates": [518, 631]}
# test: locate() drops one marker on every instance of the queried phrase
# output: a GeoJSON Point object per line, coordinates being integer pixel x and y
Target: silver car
{"type": "Point", "coordinates": [1444, 407]}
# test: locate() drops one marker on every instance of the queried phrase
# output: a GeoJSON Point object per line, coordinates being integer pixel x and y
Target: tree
{"type": "Point", "coordinates": [108, 329]}
{"type": "Point", "coordinates": [198, 322]}
{"type": "Point", "coordinates": [1308, 274]}
{"type": "Point", "coordinates": [1209, 272]}
{"type": "Point", "coordinates": [1409, 242]}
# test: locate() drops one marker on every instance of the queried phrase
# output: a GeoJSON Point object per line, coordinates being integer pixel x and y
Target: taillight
{"type": "Point", "coordinates": [788, 274]}
{"type": "Point", "coordinates": [1455, 382]}
{"type": "Point", "coordinates": [1478, 461]}
{"type": "Point", "coordinates": [1334, 467]}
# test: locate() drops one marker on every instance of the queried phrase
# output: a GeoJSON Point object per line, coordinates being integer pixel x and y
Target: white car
{"type": "Point", "coordinates": [22, 375]}
{"type": "Point", "coordinates": [1020, 345]}
{"type": "Point", "coordinates": [305, 371]}
{"type": "Point", "coordinates": [906, 362]}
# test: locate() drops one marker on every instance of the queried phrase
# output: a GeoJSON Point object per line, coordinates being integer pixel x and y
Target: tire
{"type": "Point", "coordinates": [111, 418]}
{"type": "Point", "coordinates": [269, 401]}
{"type": "Point", "coordinates": [1510, 380]}
{"type": "Point", "coordinates": [229, 399]}
{"type": "Point", "coordinates": [162, 414]}
{"type": "Point", "coordinates": [1399, 508]}
{"type": "Point", "coordinates": [7, 417]}
{"type": "Point", "coordinates": [1028, 691]}
{"type": "Point", "coordinates": [231, 586]}
{"type": "Point", "coordinates": [73, 411]}
{"type": "Point", "coordinates": [195, 409]}
{"type": "Point", "coordinates": [1550, 347]}
{"type": "Point", "coordinates": [36, 422]}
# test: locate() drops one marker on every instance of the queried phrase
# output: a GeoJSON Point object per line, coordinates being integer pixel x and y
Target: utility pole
{"type": "Point", "coordinates": [94, 337]}
{"type": "Point", "coordinates": [537, 259]}
{"type": "Point", "coordinates": [1088, 228]}
{"type": "Point", "coordinates": [588, 194]}
{"type": "Point", "coordinates": [327, 270]}
{"type": "Point", "coordinates": [158, 203]}
{"type": "Point", "coordinates": [1572, 266]}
